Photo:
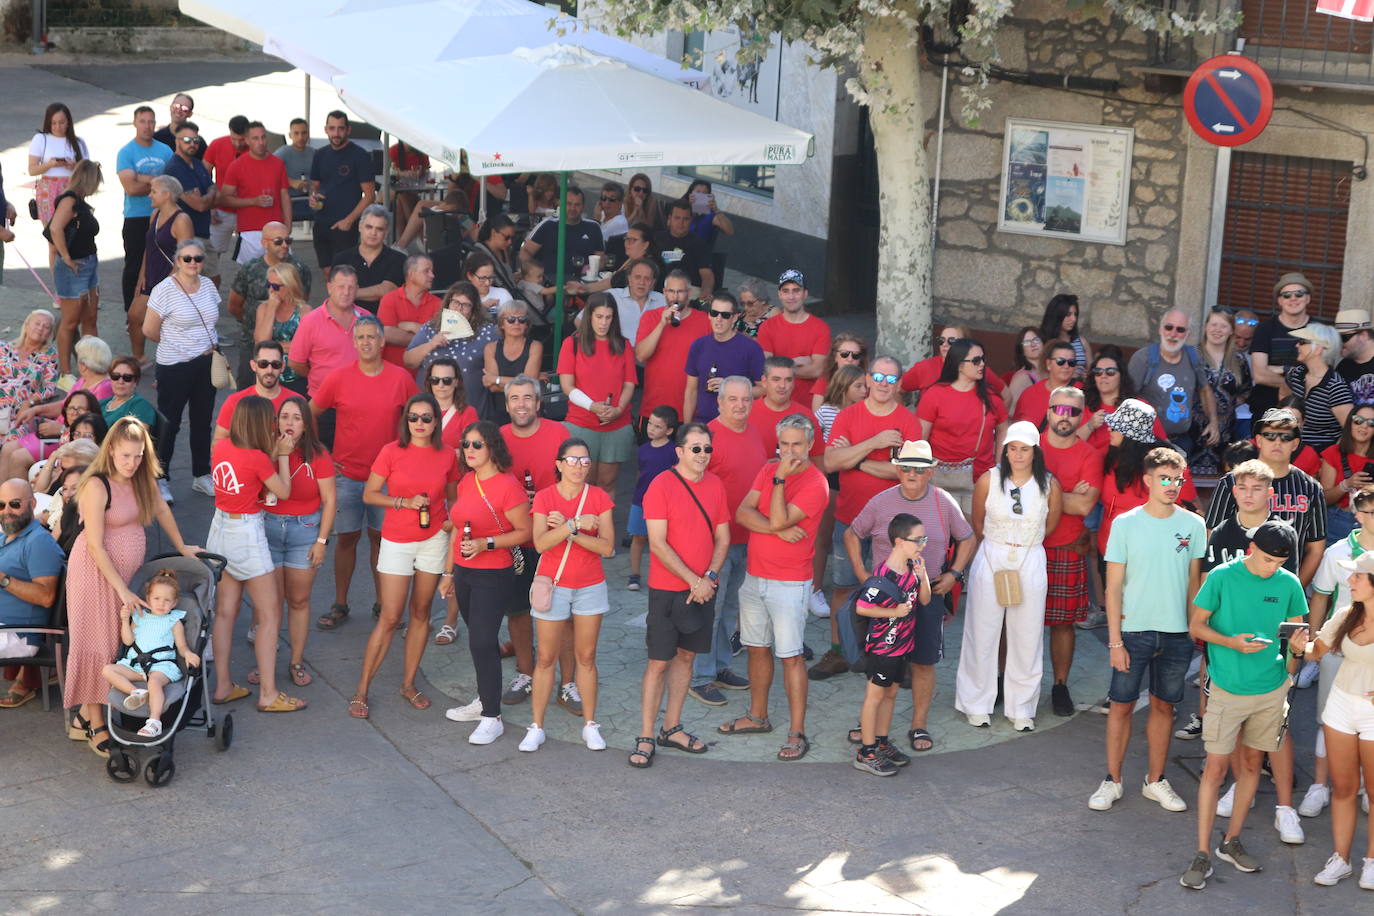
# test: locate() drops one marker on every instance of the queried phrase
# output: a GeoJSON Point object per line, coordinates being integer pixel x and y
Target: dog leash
{"type": "Point", "coordinates": [51, 296]}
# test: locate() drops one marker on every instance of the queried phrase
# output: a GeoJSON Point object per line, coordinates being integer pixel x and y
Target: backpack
{"type": "Point", "coordinates": [73, 524]}
{"type": "Point", "coordinates": [874, 589]}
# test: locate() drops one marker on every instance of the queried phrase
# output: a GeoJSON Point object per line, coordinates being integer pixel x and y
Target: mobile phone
{"type": "Point", "coordinates": [1289, 627]}
{"type": "Point", "coordinates": [1261, 639]}
{"type": "Point", "coordinates": [701, 203]}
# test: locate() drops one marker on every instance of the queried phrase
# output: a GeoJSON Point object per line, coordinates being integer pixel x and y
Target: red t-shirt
{"type": "Point", "coordinates": [535, 455]}
{"type": "Point", "coordinates": [955, 418]}
{"type": "Point", "coordinates": [1101, 439]}
{"type": "Point", "coordinates": [250, 177]}
{"type": "Point", "coordinates": [780, 337]}
{"type": "Point", "coordinates": [735, 459]}
{"type": "Point", "coordinates": [305, 487]}
{"type": "Point", "coordinates": [927, 372]}
{"type": "Point", "coordinates": [238, 474]}
{"type": "Point", "coordinates": [1332, 455]}
{"type": "Point", "coordinates": [395, 307]}
{"type": "Point", "coordinates": [226, 411]}
{"type": "Point", "coordinates": [1115, 502]}
{"type": "Point", "coordinates": [1308, 461]}
{"type": "Point", "coordinates": [857, 423]}
{"type": "Point", "coordinates": [219, 155]}
{"type": "Point", "coordinates": [453, 427]}
{"type": "Point", "coordinates": [765, 420]}
{"type": "Point", "coordinates": [664, 380]}
{"type": "Point", "coordinates": [368, 413]}
{"type": "Point", "coordinates": [504, 493]}
{"type": "Point", "coordinates": [599, 376]}
{"type": "Point", "coordinates": [1034, 402]}
{"type": "Point", "coordinates": [583, 567]}
{"type": "Point", "coordinates": [409, 472]}
{"type": "Point", "coordinates": [1079, 461]}
{"type": "Point", "coordinates": [771, 557]}
{"type": "Point", "coordinates": [688, 534]}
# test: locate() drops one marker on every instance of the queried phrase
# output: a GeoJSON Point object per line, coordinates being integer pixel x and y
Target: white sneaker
{"type": "Point", "coordinates": [1163, 793]}
{"type": "Point", "coordinates": [164, 491]}
{"type": "Point", "coordinates": [1318, 797]}
{"type": "Point", "coordinates": [488, 729]}
{"type": "Point", "coordinates": [1228, 801]}
{"type": "Point", "coordinates": [1289, 827]}
{"type": "Point", "coordinates": [1333, 871]}
{"type": "Point", "coordinates": [534, 737]}
{"type": "Point", "coordinates": [1190, 731]}
{"type": "Point", "coordinates": [1364, 801]}
{"type": "Point", "coordinates": [1367, 875]}
{"type": "Point", "coordinates": [819, 606]}
{"type": "Point", "coordinates": [1307, 675]}
{"type": "Point", "coordinates": [136, 700]}
{"type": "Point", "coordinates": [1022, 725]}
{"type": "Point", "coordinates": [469, 713]}
{"type": "Point", "coordinates": [1107, 794]}
{"type": "Point", "coordinates": [204, 484]}
{"type": "Point", "coordinates": [252, 635]}
{"type": "Point", "coordinates": [591, 736]}
{"type": "Point", "coordinates": [978, 720]}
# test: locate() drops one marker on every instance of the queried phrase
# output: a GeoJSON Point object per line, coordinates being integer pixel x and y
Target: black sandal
{"type": "Point", "coordinates": [694, 744]}
{"type": "Point", "coordinates": [647, 755]}
{"type": "Point", "coordinates": [336, 615]}
{"type": "Point", "coordinates": [856, 735]}
{"type": "Point", "coordinates": [78, 727]}
{"type": "Point", "coordinates": [102, 748]}
{"type": "Point", "coordinates": [920, 734]}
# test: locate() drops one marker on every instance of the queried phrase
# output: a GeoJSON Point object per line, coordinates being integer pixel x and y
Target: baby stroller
{"type": "Point", "coordinates": [188, 703]}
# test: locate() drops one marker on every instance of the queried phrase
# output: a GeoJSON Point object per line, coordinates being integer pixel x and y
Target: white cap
{"type": "Point", "coordinates": [1023, 431]}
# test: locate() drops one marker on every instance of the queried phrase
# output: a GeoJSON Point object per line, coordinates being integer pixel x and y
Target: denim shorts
{"type": "Point", "coordinates": [635, 527]}
{"type": "Point", "coordinates": [352, 512]}
{"type": "Point", "coordinates": [71, 284]}
{"type": "Point", "coordinates": [842, 573]}
{"type": "Point", "coordinates": [589, 601]}
{"type": "Point", "coordinates": [290, 537]}
{"type": "Point", "coordinates": [1165, 655]}
{"type": "Point", "coordinates": [773, 613]}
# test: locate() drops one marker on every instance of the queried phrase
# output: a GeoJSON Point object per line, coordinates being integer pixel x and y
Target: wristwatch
{"type": "Point", "coordinates": [710, 574]}
{"type": "Point", "coordinates": [958, 575]}
{"type": "Point", "coordinates": [324, 541]}
{"type": "Point", "coordinates": [778, 481]}
{"type": "Point", "coordinates": [491, 543]}
{"type": "Point", "coordinates": [5, 581]}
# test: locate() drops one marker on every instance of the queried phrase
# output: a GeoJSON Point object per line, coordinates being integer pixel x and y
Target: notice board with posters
{"type": "Point", "coordinates": [1066, 181]}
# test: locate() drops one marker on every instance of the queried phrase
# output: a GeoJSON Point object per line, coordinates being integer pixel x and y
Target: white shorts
{"type": "Point", "coordinates": [15, 646]}
{"type": "Point", "coordinates": [405, 558]}
{"type": "Point", "coordinates": [221, 240]}
{"type": "Point", "coordinates": [243, 541]}
{"type": "Point", "coordinates": [250, 246]}
{"type": "Point", "coordinates": [1349, 714]}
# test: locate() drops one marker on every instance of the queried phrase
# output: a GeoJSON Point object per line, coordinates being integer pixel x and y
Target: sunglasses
{"type": "Point", "coordinates": [576, 461]}
{"type": "Point", "coordinates": [188, 139]}
{"type": "Point", "coordinates": [1031, 341]}
{"type": "Point", "coordinates": [185, 108]}
{"type": "Point", "coordinates": [1062, 361]}
{"type": "Point", "coordinates": [123, 377]}
{"type": "Point", "coordinates": [517, 319]}
{"type": "Point", "coordinates": [442, 379]}
{"type": "Point", "coordinates": [715, 314]}
{"type": "Point", "coordinates": [883, 377]}
{"type": "Point", "coordinates": [698, 449]}
{"type": "Point", "coordinates": [1175, 329]}
{"type": "Point", "coordinates": [423, 418]}
{"type": "Point", "coordinates": [849, 354]}
{"type": "Point", "coordinates": [609, 200]}
{"type": "Point", "coordinates": [639, 189]}
{"type": "Point", "coordinates": [976, 360]}
{"type": "Point", "coordinates": [189, 258]}
{"type": "Point", "coordinates": [1016, 501]}
{"type": "Point", "coordinates": [1170, 481]}
{"type": "Point", "coordinates": [274, 287]}
{"type": "Point", "coordinates": [1065, 410]}
{"type": "Point", "coordinates": [268, 363]}
{"type": "Point", "coordinates": [1108, 371]}
{"type": "Point", "coordinates": [1247, 322]}
{"type": "Point", "coordinates": [1302, 293]}
{"type": "Point", "coordinates": [486, 277]}
{"type": "Point", "coordinates": [475, 444]}
{"type": "Point", "coordinates": [1278, 437]}
{"type": "Point", "coordinates": [284, 240]}
{"type": "Point", "coordinates": [14, 504]}
{"type": "Point", "coordinates": [1362, 421]}
{"type": "Point", "coordinates": [508, 236]}
{"type": "Point", "coordinates": [947, 340]}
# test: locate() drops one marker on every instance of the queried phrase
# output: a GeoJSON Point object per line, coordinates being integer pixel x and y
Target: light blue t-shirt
{"type": "Point", "coordinates": [144, 160]}
{"type": "Point", "coordinates": [1158, 553]}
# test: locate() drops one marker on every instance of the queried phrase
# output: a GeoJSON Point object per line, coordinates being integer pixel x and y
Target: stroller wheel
{"type": "Point", "coordinates": [224, 733]}
{"type": "Point", "coordinates": [120, 767]}
{"type": "Point", "coordinates": [160, 771]}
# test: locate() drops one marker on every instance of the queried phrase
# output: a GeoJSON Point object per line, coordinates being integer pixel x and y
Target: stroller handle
{"type": "Point", "coordinates": [216, 562]}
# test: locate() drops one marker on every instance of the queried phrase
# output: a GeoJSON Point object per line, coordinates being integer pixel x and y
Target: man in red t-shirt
{"type": "Point", "coordinates": [404, 309]}
{"type": "Point", "coordinates": [268, 361]}
{"type": "Point", "coordinates": [689, 534]}
{"type": "Point", "coordinates": [256, 186]}
{"type": "Point", "coordinates": [779, 383]}
{"type": "Point", "coordinates": [783, 512]}
{"type": "Point", "coordinates": [533, 445]}
{"type": "Point", "coordinates": [860, 449]}
{"type": "Point", "coordinates": [1035, 400]}
{"type": "Point", "coordinates": [796, 334]}
{"type": "Point", "coordinates": [1078, 468]}
{"type": "Point", "coordinates": [219, 155]}
{"type": "Point", "coordinates": [661, 346]}
{"type": "Point", "coordinates": [367, 398]}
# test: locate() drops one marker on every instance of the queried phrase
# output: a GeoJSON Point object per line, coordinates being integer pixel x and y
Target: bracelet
{"type": "Point", "coordinates": [324, 541]}
{"type": "Point", "coordinates": [1116, 645]}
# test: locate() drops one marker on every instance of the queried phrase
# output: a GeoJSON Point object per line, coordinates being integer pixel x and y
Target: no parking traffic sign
{"type": "Point", "coordinates": [1228, 100]}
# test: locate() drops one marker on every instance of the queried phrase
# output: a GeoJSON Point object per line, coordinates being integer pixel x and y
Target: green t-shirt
{"type": "Point", "coordinates": [1242, 602]}
{"type": "Point", "coordinates": [137, 405]}
{"type": "Point", "coordinates": [1157, 553]}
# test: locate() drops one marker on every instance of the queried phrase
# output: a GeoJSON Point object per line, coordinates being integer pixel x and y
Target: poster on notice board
{"type": "Point", "coordinates": [1067, 181]}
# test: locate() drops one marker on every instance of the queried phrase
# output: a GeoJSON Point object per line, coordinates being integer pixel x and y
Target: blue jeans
{"type": "Point", "coordinates": [1165, 656]}
{"type": "Point", "coordinates": [842, 576]}
{"type": "Point", "coordinates": [707, 665]}
{"type": "Point", "coordinates": [1339, 523]}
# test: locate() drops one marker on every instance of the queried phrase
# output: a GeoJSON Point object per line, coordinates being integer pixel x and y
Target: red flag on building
{"type": "Point", "coordinates": [1363, 10]}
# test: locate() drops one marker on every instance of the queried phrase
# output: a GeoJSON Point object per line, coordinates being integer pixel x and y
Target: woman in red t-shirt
{"type": "Point", "coordinates": [490, 515]}
{"type": "Point", "coordinates": [573, 532]}
{"type": "Point", "coordinates": [1107, 385]}
{"type": "Point", "coordinates": [421, 477]}
{"type": "Point", "coordinates": [845, 350]}
{"type": "Point", "coordinates": [241, 469]}
{"type": "Point", "coordinates": [1345, 470]}
{"type": "Point", "coordinates": [445, 383]}
{"type": "Point", "coordinates": [298, 528]}
{"type": "Point", "coordinates": [962, 421]}
{"type": "Point", "coordinates": [596, 367]}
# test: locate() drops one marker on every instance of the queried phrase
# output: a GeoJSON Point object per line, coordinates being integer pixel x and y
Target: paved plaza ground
{"type": "Point", "coordinates": [316, 812]}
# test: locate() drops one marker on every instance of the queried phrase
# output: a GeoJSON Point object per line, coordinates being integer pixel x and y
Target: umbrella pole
{"type": "Point", "coordinates": [386, 181]}
{"type": "Point", "coordinates": [482, 200]}
{"type": "Point", "coordinates": [307, 98]}
{"type": "Point", "coordinates": [562, 264]}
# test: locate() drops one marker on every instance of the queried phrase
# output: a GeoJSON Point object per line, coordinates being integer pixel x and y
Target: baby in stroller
{"type": "Point", "coordinates": [154, 638]}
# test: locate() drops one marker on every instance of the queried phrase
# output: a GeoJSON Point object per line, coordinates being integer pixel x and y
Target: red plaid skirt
{"type": "Point", "coordinates": [1066, 600]}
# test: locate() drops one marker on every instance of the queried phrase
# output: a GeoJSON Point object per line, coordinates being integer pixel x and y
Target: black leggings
{"type": "Point", "coordinates": [135, 244]}
{"type": "Point", "coordinates": [177, 386]}
{"type": "Point", "coordinates": [482, 600]}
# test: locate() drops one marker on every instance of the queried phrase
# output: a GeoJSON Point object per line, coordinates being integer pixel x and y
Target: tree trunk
{"type": "Point", "coordinates": [890, 71]}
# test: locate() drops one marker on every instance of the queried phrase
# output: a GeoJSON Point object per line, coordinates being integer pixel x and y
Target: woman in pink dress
{"type": "Point", "coordinates": [117, 498]}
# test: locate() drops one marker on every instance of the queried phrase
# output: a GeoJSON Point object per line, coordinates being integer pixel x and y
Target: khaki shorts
{"type": "Point", "coordinates": [1259, 720]}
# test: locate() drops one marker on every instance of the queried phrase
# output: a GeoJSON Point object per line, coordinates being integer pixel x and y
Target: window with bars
{"type": "Point", "coordinates": [1284, 213]}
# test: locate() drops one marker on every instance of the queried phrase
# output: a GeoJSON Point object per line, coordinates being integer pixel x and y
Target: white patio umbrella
{"type": "Point", "coordinates": [250, 19]}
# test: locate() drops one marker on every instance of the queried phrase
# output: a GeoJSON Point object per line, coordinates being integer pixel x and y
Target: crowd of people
{"type": "Point", "coordinates": [772, 458]}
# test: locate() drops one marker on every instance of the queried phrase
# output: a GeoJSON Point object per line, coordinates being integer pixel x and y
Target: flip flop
{"type": "Point", "coordinates": [416, 699]}
{"type": "Point", "coordinates": [236, 692]}
{"type": "Point", "coordinates": [760, 726]}
{"type": "Point", "coordinates": [283, 703]}
{"type": "Point", "coordinates": [920, 734]}
{"type": "Point", "coordinates": [253, 677]}
{"type": "Point", "coordinates": [299, 676]}
{"type": "Point", "coordinates": [357, 708]}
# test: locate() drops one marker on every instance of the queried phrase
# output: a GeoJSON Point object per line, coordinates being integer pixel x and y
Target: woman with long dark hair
{"type": "Point", "coordinates": [1014, 505]}
{"type": "Point", "coordinates": [640, 205]}
{"type": "Point", "coordinates": [1107, 384]}
{"type": "Point", "coordinates": [1345, 470]}
{"type": "Point", "coordinates": [596, 368]}
{"type": "Point", "coordinates": [1029, 359]}
{"type": "Point", "coordinates": [53, 153]}
{"type": "Point", "coordinates": [962, 420]}
{"type": "Point", "coordinates": [1061, 321]}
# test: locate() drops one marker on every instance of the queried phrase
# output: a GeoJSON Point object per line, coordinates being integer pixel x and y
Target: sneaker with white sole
{"type": "Point", "coordinates": [1022, 725]}
{"type": "Point", "coordinates": [979, 720]}
{"type": "Point", "coordinates": [1232, 851]}
{"type": "Point", "coordinates": [1195, 878]}
{"type": "Point", "coordinates": [591, 736]}
{"type": "Point", "coordinates": [1228, 801]}
{"type": "Point", "coordinates": [136, 700]}
{"type": "Point", "coordinates": [570, 699]}
{"type": "Point", "coordinates": [1107, 794]}
{"type": "Point", "coordinates": [1096, 619]}
{"type": "Point", "coordinates": [518, 691]}
{"type": "Point", "coordinates": [1318, 797]}
{"type": "Point", "coordinates": [819, 606]}
{"type": "Point", "coordinates": [252, 636]}
{"type": "Point", "coordinates": [1192, 730]}
{"type": "Point", "coordinates": [164, 490]}
{"type": "Point", "coordinates": [472, 712]}
{"type": "Point", "coordinates": [488, 729]}
{"type": "Point", "coordinates": [1164, 794]}
{"type": "Point", "coordinates": [534, 737]}
{"type": "Point", "coordinates": [151, 729]}
{"type": "Point", "coordinates": [1333, 872]}
{"type": "Point", "coordinates": [204, 484]}
{"type": "Point", "coordinates": [1367, 875]}
{"type": "Point", "coordinates": [1307, 674]}
{"type": "Point", "coordinates": [1288, 825]}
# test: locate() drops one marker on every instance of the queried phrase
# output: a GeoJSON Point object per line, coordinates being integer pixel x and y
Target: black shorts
{"type": "Point", "coordinates": [930, 633]}
{"type": "Point", "coordinates": [674, 624]}
{"type": "Point", "coordinates": [332, 242]}
{"type": "Point", "coordinates": [520, 585]}
{"type": "Point", "coordinates": [885, 670]}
